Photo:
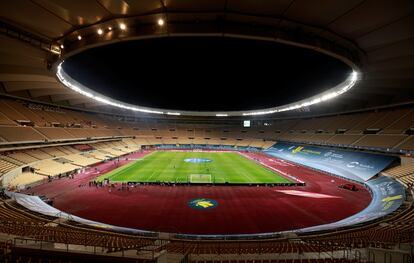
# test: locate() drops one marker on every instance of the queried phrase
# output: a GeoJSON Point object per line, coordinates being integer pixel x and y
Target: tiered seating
{"type": "Point", "coordinates": [389, 118]}
{"type": "Point", "coordinates": [6, 166]}
{"type": "Point", "coordinates": [5, 121]}
{"type": "Point", "coordinates": [254, 143]}
{"type": "Point", "coordinates": [10, 214]}
{"type": "Point", "coordinates": [383, 141]}
{"type": "Point", "coordinates": [400, 171]}
{"type": "Point", "coordinates": [83, 147]}
{"type": "Point", "coordinates": [134, 144]}
{"type": "Point", "coordinates": [107, 153]}
{"type": "Point", "coordinates": [408, 180]}
{"type": "Point", "coordinates": [345, 129]}
{"type": "Point", "coordinates": [100, 155]}
{"type": "Point", "coordinates": [38, 153]}
{"type": "Point", "coordinates": [272, 260]}
{"type": "Point", "coordinates": [395, 230]}
{"type": "Point", "coordinates": [69, 149]}
{"type": "Point", "coordinates": [16, 222]}
{"type": "Point", "coordinates": [278, 246]}
{"type": "Point", "coordinates": [320, 137]}
{"type": "Point", "coordinates": [26, 112]}
{"type": "Point", "coordinates": [245, 142]}
{"type": "Point", "coordinates": [11, 160]}
{"type": "Point", "coordinates": [25, 179]}
{"type": "Point", "coordinates": [23, 157]}
{"type": "Point", "coordinates": [79, 133]}
{"type": "Point", "coordinates": [407, 144]}
{"type": "Point", "coordinates": [81, 160]}
{"type": "Point", "coordinates": [268, 144]}
{"type": "Point", "coordinates": [52, 167]}
{"type": "Point", "coordinates": [11, 113]}
{"type": "Point", "coordinates": [30, 255]}
{"type": "Point", "coordinates": [115, 151]}
{"type": "Point", "coordinates": [22, 134]}
{"type": "Point", "coordinates": [402, 124]}
{"type": "Point", "coordinates": [343, 139]}
{"type": "Point", "coordinates": [366, 120]}
{"type": "Point", "coordinates": [398, 229]}
{"type": "Point", "coordinates": [55, 133]}
{"type": "Point", "coordinates": [53, 151]}
{"type": "Point", "coordinates": [154, 140]}
{"type": "Point", "coordinates": [74, 158]}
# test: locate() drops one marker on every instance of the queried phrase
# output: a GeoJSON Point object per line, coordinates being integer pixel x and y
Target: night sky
{"type": "Point", "coordinates": [205, 73]}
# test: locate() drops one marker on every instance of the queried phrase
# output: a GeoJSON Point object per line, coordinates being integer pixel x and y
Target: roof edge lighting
{"type": "Point", "coordinates": [339, 89]}
{"type": "Point", "coordinates": [324, 96]}
{"type": "Point", "coordinates": [174, 113]}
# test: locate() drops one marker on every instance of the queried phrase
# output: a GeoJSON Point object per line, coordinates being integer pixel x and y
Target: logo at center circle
{"type": "Point", "coordinates": [197, 160]}
{"type": "Point", "coordinates": [202, 203]}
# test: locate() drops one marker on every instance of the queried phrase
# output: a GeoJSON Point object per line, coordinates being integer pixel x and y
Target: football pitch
{"type": "Point", "coordinates": [194, 167]}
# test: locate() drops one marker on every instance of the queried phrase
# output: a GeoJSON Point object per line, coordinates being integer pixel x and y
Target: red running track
{"type": "Point", "coordinates": [240, 210]}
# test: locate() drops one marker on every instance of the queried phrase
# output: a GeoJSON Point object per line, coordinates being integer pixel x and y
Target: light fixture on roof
{"type": "Point", "coordinates": [160, 22]}
{"type": "Point", "coordinates": [79, 37]}
{"type": "Point", "coordinates": [62, 46]}
{"type": "Point", "coordinates": [100, 31]}
{"type": "Point", "coordinates": [110, 28]}
{"type": "Point", "coordinates": [122, 26]}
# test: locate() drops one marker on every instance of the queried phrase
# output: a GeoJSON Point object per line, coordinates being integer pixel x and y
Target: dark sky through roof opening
{"type": "Point", "coordinates": [206, 73]}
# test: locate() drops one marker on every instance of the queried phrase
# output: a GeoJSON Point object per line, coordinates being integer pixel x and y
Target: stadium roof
{"type": "Point", "coordinates": [375, 36]}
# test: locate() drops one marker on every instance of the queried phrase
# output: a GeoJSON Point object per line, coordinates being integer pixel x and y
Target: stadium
{"type": "Point", "coordinates": [207, 131]}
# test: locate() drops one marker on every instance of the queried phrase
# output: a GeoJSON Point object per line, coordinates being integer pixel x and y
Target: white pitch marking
{"type": "Point", "coordinates": [305, 194]}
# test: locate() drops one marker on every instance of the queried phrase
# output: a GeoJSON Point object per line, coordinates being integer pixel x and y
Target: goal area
{"type": "Point", "coordinates": [200, 178]}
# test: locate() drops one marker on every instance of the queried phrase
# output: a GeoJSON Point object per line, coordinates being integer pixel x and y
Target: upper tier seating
{"type": "Point", "coordinates": [20, 134]}
{"type": "Point", "coordinates": [55, 133]}
{"type": "Point", "coordinates": [383, 141]}
{"type": "Point", "coordinates": [388, 128]}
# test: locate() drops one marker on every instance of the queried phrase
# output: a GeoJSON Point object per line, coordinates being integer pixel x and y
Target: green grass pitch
{"type": "Point", "coordinates": [168, 166]}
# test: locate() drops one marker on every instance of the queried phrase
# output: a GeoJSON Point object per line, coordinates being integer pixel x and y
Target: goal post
{"type": "Point", "coordinates": [201, 178]}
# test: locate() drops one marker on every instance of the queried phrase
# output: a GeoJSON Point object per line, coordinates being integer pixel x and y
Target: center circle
{"type": "Point", "coordinates": [202, 203]}
{"type": "Point", "coordinates": [197, 160]}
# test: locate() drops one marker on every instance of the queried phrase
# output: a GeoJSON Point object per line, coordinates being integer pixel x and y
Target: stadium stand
{"type": "Point", "coordinates": [22, 134]}
{"type": "Point", "coordinates": [81, 159]}
{"type": "Point", "coordinates": [390, 130]}
{"type": "Point", "coordinates": [54, 167]}
{"type": "Point", "coordinates": [6, 166]}
{"type": "Point", "coordinates": [26, 179]}
{"type": "Point", "coordinates": [390, 133]}
{"type": "Point", "coordinates": [381, 141]}
{"type": "Point", "coordinates": [379, 235]}
{"type": "Point", "coordinates": [384, 234]}
{"type": "Point", "coordinates": [35, 229]}
{"type": "Point", "coordinates": [48, 131]}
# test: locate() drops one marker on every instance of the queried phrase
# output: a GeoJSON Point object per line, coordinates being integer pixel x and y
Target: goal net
{"type": "Point", "coordinates": [200, 178]}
